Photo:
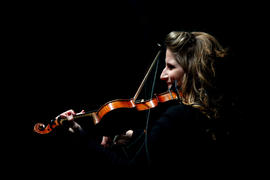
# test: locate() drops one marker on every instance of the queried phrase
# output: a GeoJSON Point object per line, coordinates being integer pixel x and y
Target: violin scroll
{"type": "Point", "coordinates": [42, 129]}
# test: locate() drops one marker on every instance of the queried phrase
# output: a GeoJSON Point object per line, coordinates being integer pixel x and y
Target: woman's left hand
{"type": "Point", "coordinates": [73, 126]}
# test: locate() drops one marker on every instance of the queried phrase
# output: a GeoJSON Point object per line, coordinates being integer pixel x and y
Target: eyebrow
{"type": "Point", "coordinates": [173, 62]}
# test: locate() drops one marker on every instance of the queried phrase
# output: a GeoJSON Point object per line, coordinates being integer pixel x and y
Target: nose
{"type": "Point", "coordinates": [164, 75]}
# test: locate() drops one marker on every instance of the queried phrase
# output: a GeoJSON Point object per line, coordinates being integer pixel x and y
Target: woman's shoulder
{"type": "Point", "coordinates": [181, 115]}
{"type": "Point", "coordinates": [182, 110]}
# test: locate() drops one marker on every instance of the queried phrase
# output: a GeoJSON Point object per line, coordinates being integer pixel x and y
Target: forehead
{"type": "Point", "coordinates": [170, 58]}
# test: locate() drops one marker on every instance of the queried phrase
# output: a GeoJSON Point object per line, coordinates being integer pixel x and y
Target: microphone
{"type": "Point", "coordinates": [174, 86]}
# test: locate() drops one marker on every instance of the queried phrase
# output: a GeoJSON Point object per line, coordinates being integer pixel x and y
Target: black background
{"type": "Point", "coordinates": [80, 55]}
{"type": "Point", "coordinates": [74, 55]}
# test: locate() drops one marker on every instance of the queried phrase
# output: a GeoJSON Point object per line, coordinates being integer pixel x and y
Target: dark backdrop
{"type": "Point", "coordinates": [81, 55]}
{"type": "Point", "coordinates": [76, 55]}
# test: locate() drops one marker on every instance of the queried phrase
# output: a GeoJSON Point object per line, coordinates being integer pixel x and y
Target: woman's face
{"type": "Point", "coordinates": [172, 71]}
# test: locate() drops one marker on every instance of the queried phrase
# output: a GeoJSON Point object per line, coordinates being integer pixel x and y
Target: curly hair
{"type": "Point", "coordinates": [197, 53]}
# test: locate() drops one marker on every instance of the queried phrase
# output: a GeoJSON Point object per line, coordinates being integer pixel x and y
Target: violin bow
{"type": "Point", "coordinates": [147, 74]}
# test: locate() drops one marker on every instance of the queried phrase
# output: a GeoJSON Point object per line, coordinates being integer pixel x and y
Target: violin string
{"type": "Point", "coordinates": [148, 116]}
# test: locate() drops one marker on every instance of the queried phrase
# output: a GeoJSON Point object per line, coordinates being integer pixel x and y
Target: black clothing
{"type": "Point", "coordinates": [181, 137]}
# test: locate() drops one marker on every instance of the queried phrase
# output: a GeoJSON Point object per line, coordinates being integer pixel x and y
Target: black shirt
{"type": "Point", "coordinates": [181, 137]}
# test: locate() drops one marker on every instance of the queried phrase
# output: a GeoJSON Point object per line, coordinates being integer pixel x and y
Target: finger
{"type": "Point", "coordinates": [62, 116]}
{"type": "Point", "coordinates": [104, 140]}
{"type": "Point", "coordinates": [57, 117]}
{"type": "Point", "coordinates": [69, 114]}
{"type": "Point", "coordinates": [71, 130]}
{"type": "Point", "coordinates": [82, 112]}
{"type": "Point", "coordinates": [70, 117]}
{"type": "Point", "coordinates": [129, 133]}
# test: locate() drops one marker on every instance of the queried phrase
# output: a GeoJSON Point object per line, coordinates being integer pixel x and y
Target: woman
{"type": "Point", "coordinates": [189, 131]}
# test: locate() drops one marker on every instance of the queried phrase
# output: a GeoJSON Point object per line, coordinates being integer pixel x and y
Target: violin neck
{"type": "Point", "coordinates": [92, 114]}
{"type": "Point", "coordinates": [78, 116]}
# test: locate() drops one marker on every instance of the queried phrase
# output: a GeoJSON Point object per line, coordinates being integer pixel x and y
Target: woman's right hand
{"type": "Point", "coordinates": [69, 115]}
{"type": "Point", "coordinates": [118, 139]}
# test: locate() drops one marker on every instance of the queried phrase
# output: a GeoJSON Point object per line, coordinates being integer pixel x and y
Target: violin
{"type": "Point", "coordinates": [110, 106]}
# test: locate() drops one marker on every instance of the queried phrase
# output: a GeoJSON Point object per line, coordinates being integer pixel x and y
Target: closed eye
{"type": "Point", "coordinates": [170, 66]}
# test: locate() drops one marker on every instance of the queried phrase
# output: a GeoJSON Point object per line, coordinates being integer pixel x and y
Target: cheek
{"type": "Point", "coordinates": [179, 77]}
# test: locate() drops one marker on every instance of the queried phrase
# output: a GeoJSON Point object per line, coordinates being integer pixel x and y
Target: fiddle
{"type": "Point", "coordinates": [110, 106]}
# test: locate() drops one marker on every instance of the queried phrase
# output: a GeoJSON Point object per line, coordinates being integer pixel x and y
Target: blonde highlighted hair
{"type": "Point", "coordinates": [197, 53]}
